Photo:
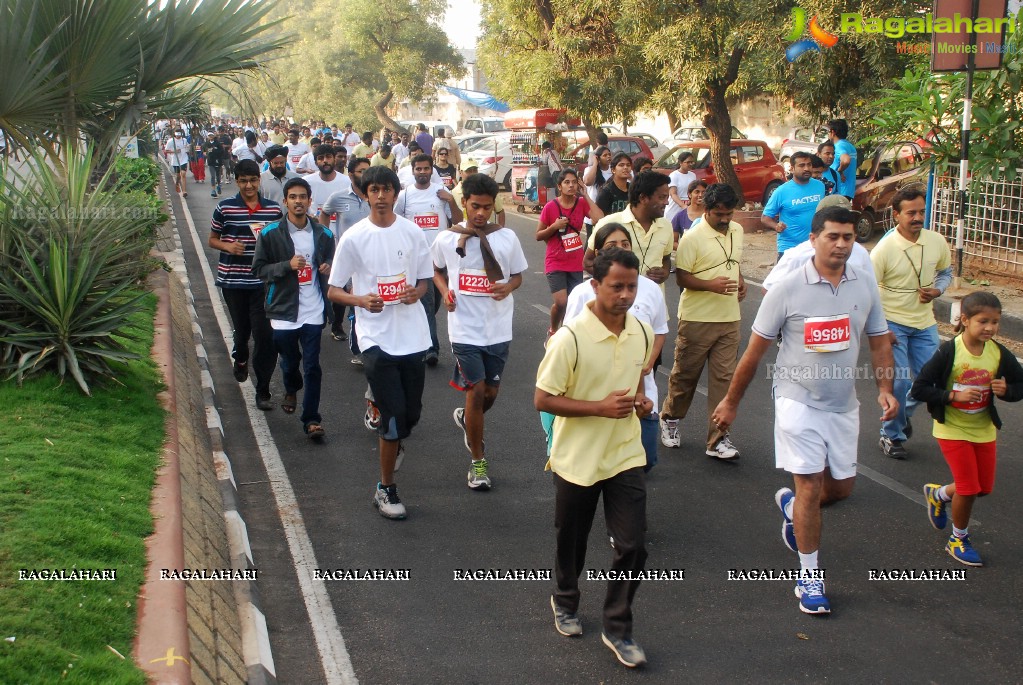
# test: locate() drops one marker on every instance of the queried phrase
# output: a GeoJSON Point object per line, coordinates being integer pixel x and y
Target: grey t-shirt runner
{"type": "Point", "coordinates": [821, 328]}
{"type": "Point", "coordinates": [348, 208]}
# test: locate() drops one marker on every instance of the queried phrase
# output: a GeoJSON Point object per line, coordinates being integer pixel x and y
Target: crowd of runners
{"type": "Point", "coordinates": [329, 226]}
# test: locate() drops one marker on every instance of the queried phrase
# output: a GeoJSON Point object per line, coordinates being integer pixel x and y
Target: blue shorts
{"type": "Point", "coordinates": [476, 363]}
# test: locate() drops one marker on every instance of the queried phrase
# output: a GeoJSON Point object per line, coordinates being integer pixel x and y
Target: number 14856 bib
{"type": "Point", "coordinates": [826, 333]}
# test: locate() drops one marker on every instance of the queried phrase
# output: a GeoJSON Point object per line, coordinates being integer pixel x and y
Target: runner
{"type": "Point", "coordinates": [649, 308]}
{"type": "Point", "coordinates": [823, 309]}
{"type": "Point", "coordinates": [176, 151]}
{"type": "Point", "coordinates": [431, 207]}
{"type": "Point", "coordinates": [272, 180]}
{"type": "Point", "coordinates": [590, 379]}
{"type": "Point", "coordinates": [477, 267]}
{"type": "Point", "coordinates": [237, 222]}
{"type": "Point", "coordinates": [561, 227]}
{"type": "Point", "coordinates": [327, 180]}
{"type": "Point", "coordinates": [959, 385]}
{"type": "Point", "coordinates": [293, 258]}
{"type": "Point", "coordinates": [383, 255]}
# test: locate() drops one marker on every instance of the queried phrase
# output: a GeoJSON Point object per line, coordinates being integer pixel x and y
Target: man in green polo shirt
{"type": "Point", "coordinates": [707, 268]}
{"type": "Point", "coordinates": [591, 380]}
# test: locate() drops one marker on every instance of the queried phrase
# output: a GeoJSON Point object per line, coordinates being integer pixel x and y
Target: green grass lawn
{"type": "Point", "coordinates": [75, 480]}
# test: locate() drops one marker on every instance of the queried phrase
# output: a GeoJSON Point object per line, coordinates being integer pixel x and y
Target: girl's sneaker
{"type": "Point", "coordinates": [936, 513]}
{"type": "Point", "coordinates": [962, 551]}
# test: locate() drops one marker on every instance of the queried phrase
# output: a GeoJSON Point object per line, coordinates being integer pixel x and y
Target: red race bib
{"type": "Point", "coordinates": [474, 282]}
{"type": "Point", "coordinates": [826, 333]}
{"type": "Point", "coordinates": [305, 274]}
{"type": "Point", "coordinates": [391, 288]}
{"type": "Point", "coordinates": [427, 221]}
{"type": "Point", "coordinates": [571, 241]}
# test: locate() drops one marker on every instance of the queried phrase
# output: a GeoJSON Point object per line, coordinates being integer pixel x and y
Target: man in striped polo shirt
{"type": "Point", "coordinates": [237, 222]}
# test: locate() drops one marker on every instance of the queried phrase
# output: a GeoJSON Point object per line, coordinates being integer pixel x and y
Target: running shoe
{"type": "Point", "coordinates": [892, 448]}
{"type": "Point", "coordinates": [936, 513]}
{"type": "Point", "coordinates": [962, 551]}
{"type": "Point", "coordinates": [357, 361]}
{"type": "Point", "coordinates": [371, 419]}
{"type": "Point", "coordinates": [478, 478]}
{"type": "Point", "coordinates": [669, 433]}
{"type": "Point", "coordinates": [338, 334]}
{"type": "Point", "coordinates": [388, 503]}
{"type": "Point", "coordinates": [459, 416]}
{"type": "Point", "coordinates": [724, 450]}
{"type": "Point", "coordinates": [627, 651]}
{"type": "Point", "coordinates": [241, 372]}
{"type": "Point", "coordinates": [788, 532]}
{"type": "Point", "coordinates": [566, 623]}
{"type": "Point", "coordinates": [810, 592]}
{"type": "Point", "coordinates": [908, 430]}
{"type": "Point", "coordinates": [431, 358]}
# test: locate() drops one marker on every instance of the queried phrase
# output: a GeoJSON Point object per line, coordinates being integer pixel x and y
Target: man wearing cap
{"type": "Point", "coordinates": [797, 256]}
{"type": "Point", "coordinates": [271, 181]}
{"type": "Point", "coordinates": [469, 167]}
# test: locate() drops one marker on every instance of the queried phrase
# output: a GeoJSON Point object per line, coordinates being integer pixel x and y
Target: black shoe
{"type": "Point", "coordinates": [908, 430]}
{"type": "Point", "coordinates": [241, 372]}
{"type": "Point", "coordinates": [431, 358]}
{"type": "Point", "coordinates": [264, 402]}
{"type": "Point", "coordinates": [339, 334]}
{"type": "Point", "coordinates": [893, 448]}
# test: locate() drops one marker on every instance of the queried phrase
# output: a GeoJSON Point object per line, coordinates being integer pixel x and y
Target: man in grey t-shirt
{"type": "Point", "coordinates": [822, 310]}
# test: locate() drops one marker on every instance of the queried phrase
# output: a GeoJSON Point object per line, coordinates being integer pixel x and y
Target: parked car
{"type": "Point", "coordinates": [698, 132]}
{"type": "Point", "coordinates": [801, 139]}
{"type": "Point", "coordinates": [493, 154]}
{"type": "Point", "coordinates": [469, 141]}
{"type": "Point", "coordinates": [657, 148]}
{"type": "Point", "coordinates": [883, 171]}
{"type": "Point", "coordinates": [756, 166]}
{"type": "Point", "coordinates": [483, 125]}
{"type": "Point", "coordinates": [632, 145]}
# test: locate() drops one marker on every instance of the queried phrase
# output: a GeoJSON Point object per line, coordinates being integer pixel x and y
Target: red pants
{"type": "Point", "coordinates": [199, 169]}
{"type": "Point", "coordinates": [972, 465]}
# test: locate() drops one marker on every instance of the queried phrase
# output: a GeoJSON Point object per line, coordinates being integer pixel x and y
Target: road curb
{"type": "Point", "coordinates": [1010, 327]}
{"type": "Point", "coordinates": [256, 650]}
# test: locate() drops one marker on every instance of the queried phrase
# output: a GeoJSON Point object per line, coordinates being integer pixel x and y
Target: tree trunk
{"type": "Point", "coordinates": [673, 121]}
{"type": "Point", "coordinates": [718, 122]}
{"type": "Point", "coordinates": [591, 131]}
{"type": "Point", "coordinates": [380, 107]}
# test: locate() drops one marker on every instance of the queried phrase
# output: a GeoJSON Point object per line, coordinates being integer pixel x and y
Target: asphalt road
{"type": "Point", "coordinates": [705, 517]}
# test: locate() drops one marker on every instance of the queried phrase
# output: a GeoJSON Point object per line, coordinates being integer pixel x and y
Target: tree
{"type": "Point", "coordinates": [78, 72]}
{"type": "Point", "coordinates": [565, 54]}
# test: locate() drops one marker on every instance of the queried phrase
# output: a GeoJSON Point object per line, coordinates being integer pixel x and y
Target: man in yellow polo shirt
{"type": "Point", "coordinates": [650, 233]}
{"type": "Point", "coordinates": [590, 379]}
{"type": "Point", "coordinates": [707, 267]}
{"type": "Point", "coordinates": [913, 267]}
{"type": "Point", "coordinates": [469, 167]}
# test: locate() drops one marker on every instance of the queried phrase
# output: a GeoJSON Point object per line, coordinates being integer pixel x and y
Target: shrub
{"type": "Point", "coordinates": [70, 255]}
{"type": "Point", "coordinates": [140, 173]}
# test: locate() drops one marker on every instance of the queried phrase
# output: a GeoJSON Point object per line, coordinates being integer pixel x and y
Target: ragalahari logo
{"type": "Point", "coordinates": [818, 37]}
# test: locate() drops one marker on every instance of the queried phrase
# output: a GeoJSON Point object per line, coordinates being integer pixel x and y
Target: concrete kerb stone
{"type": "Point", "coordinates": [255, 636]}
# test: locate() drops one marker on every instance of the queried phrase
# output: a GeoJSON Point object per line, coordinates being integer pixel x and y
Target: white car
{"type": "Point", "coordinates": [656, 147]}
{"type": "Point", "coordinates": [493, 157]}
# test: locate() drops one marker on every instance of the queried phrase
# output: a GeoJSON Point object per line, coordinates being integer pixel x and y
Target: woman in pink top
{"type": "Point", "coordinates": [561, 226]}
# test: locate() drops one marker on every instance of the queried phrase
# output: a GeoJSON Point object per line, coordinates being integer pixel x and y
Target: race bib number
{"type": "Point", "coordinates": [474, 282]}
{"type": "Point", "coordinates": [391, 288]}
{"type": "Point", "coordinates": [305, 274]}
{"type": "Point", "coordinates": [972, 407]}
{"type": "Point", "coordinates": [571, 241]}
{"type": "Point", "coordinates": [295, 160]}
{"type": "Point", "coordinates": [427, 222]}
{"type": "Point", "coordinates": [826, 333]}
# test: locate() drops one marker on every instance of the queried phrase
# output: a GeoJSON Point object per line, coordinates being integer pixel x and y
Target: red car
{"type": "Point", "coordinates": [635, 147]}
{"type": "Point", "coordinates": [758, 170]}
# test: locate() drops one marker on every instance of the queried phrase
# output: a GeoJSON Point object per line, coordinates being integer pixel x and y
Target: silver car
{"type": "Point", "coordinates": [804, 139]}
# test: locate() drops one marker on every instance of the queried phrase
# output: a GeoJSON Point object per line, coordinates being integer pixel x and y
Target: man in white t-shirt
{"type": "Point", "coordinates": [432, 208]}
{"type": "Point", "coordinates": [175, 150]}
{"type": "Point", "coordinates": [477, 267]}
{"type": "Point", "coordinates": [388, 261]}
{"type": "Point", "coordinates": [400, 150]}
{"type": "Point", "coordinates": [326, 181]}
{"type": "Point", "coordinates": [296, 149]}
{"type": "Point", "coordinates": [307, 165]}
{"type": "Point", "coordinates": [350, 139]}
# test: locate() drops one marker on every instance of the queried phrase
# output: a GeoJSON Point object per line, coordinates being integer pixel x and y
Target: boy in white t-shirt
{"type": "Point", "coordinates": [388, 261]}
{"type": "Point", "coordinates": [477, 265]}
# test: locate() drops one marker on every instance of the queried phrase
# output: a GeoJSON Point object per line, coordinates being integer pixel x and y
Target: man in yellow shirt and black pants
{"type": "Point", "coordinates": [913, 267]}
{"type": "Point", "coordinates": [707, 267]}
{"type": "Point", "coordinates": [591, 380]}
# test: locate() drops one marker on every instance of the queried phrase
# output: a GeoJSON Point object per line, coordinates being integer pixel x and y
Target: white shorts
{"type": "Point", "coordinates": [807, 439]}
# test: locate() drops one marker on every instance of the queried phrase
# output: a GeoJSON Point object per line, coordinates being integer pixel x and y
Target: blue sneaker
{"type": "Point", "coordinates": [962, 551]}
{"type": "Point", "coordinates": [788, 532]}
{"type": "Point", "coordinates": [810, 592]}
{"type": "Point", "coordinates": [936, 513]}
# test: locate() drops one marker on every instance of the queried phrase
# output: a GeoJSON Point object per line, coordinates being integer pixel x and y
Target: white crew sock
{"type": "Point", "coordinates": [943, 495]}
{"type": "Point", "coordinates": [808, 562]}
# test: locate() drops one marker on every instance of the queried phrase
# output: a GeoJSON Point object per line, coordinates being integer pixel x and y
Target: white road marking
{"type": "Point", "coordinates": [334, 658]}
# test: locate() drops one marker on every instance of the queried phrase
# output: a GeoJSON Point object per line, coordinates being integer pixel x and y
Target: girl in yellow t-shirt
{"type": "Point", "coordinates": [959, 385]}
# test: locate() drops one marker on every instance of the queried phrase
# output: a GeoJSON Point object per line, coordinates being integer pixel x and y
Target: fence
{"type": "Point", "coordinates": [993, 240]}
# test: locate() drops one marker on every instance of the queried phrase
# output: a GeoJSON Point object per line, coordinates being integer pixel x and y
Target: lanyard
{"type": "Point", "coordinates": [727, 253]}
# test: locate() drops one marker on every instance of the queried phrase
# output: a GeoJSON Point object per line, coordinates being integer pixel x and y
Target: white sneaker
{"type": "Point", "coordinates": [724, 449]}
{"type": "Point", "coordinates": [387, 501]}
{"type": "Point", "coordinates": [669, 433]}
{"type": "Point", "coordinates": [478, 478]}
